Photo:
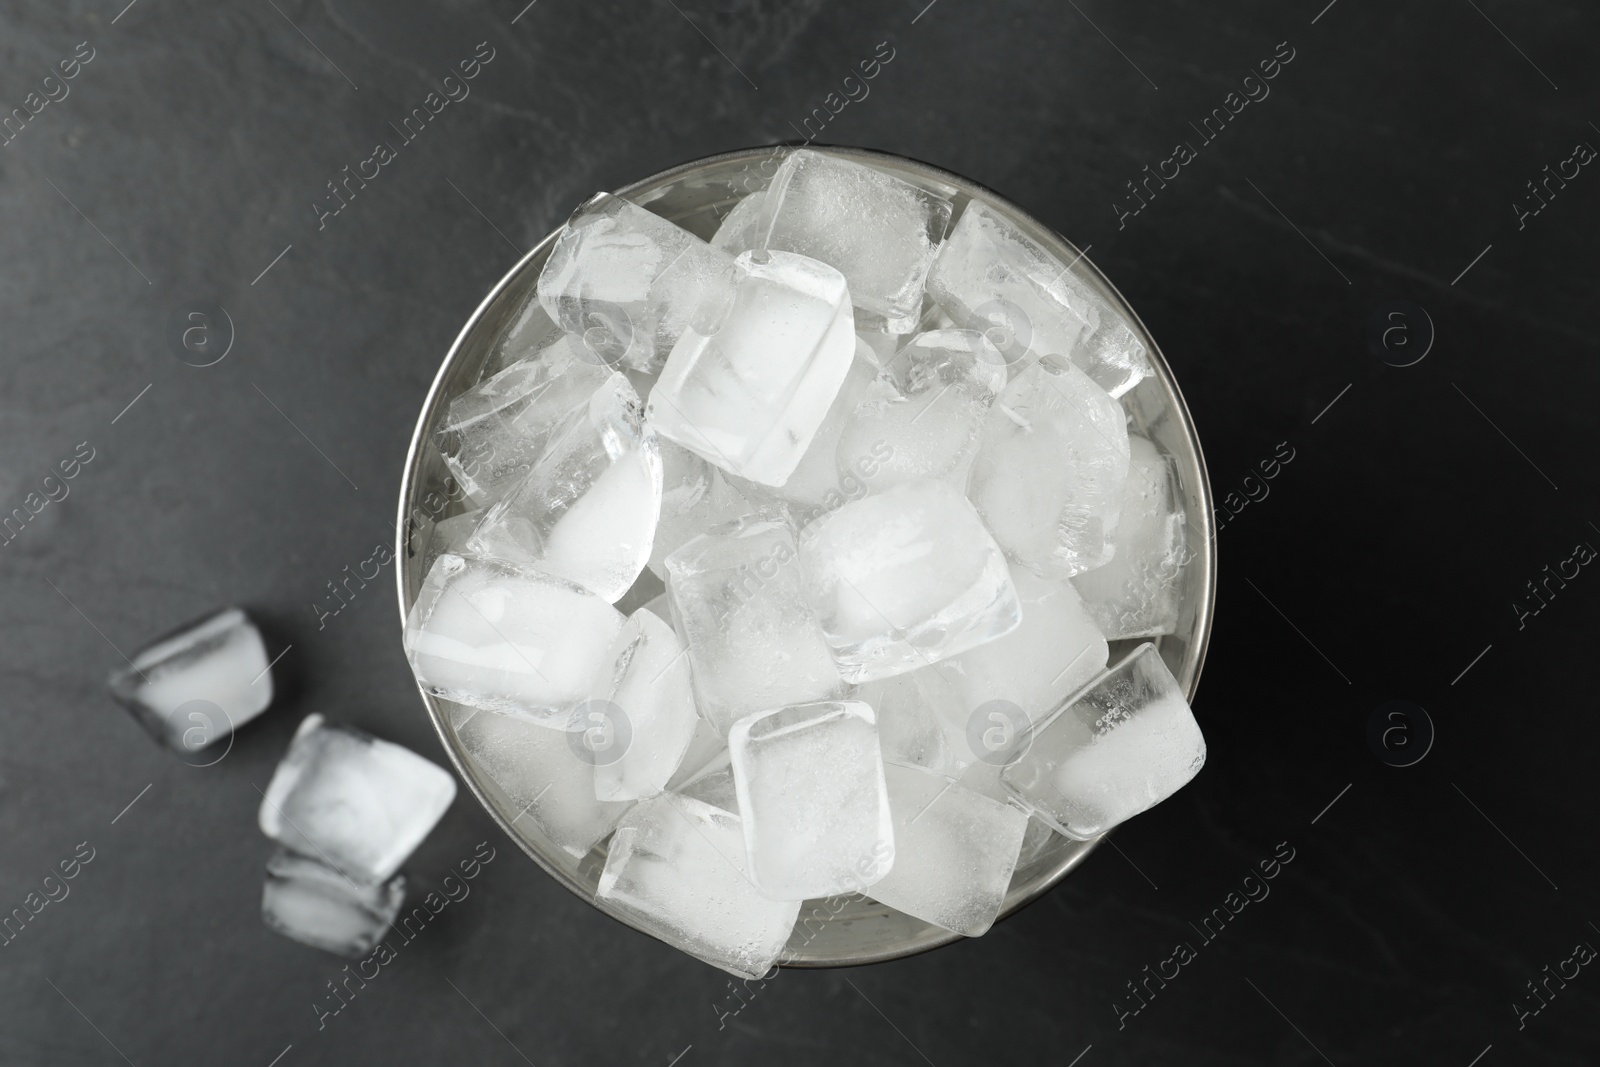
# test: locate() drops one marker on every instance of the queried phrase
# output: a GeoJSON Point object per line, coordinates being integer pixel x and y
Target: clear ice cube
{"type": "Point", "coordinates": [990, 276]}
{"type": "Point", "coordinates": [905, 578]}
{"type": "Point", "coordinates": [587, 510]}
{"type": "Point", "coordinates": [193, 687]}
{"type": "Point", "coordinates": [493, 433]}
{"type": "Point", "coordinates": [627, 281]}
{"type": "Point", "coordinates": [750, 380]}
{"type": "Point", "coordinates": [1056, 651]}
{"type": "Point", "coordinates": [812, 797]}
{"type": "Point", "coordinates": [307, 901]}
{"type": "Point", "coordinates": [677, 867]}
{"type": "Point", "coordinates": [1051, 466]}
{"type": "Point", "coordinates": [515, 641]}
{"type": "Point", "coordinates": [880, 232]}
{"type": "Point", "coordinates": [1120, 748]}
{"type": "Point", "coordinates": [640, 733]}
{"type": "Point", "coordinates": [1139, 592]}
{"type": "Point", "coordinates": [918, 720]}
{"type": "Point", "coordinates": [695, 496]}
{"type": "Point", "coordinates": [739, 230]}
{"type": "Point", "coordinates": [450, 535]}
{"type": "Point", "coordinates": [922, 418]}
{"type": "Point", "coordinates": [954, 851]}
{"type": "Point", "coordinates": [354, 802]}
{"type": "Point", "coordinates": [754, 643]}
{"type": "Point", "coordinates": [545, 776]}
{"type": "Point", "coordinates": [713, 784]}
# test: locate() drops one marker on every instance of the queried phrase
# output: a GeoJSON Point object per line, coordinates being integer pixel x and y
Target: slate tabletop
{"type": "Point", "coordinates": [1364, 235]}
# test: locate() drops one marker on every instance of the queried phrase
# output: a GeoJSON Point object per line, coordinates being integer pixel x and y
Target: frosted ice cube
{"type": "Point", "coordinates": [1055, 652]}
{"type": "Point", "coordinates": [545, 776]}
{"type": "Point", "coordinates": [922, 417]}
{"type": "Point", "coordinates": [990, 276]}
{"type": "Point", "coordinates": [1120, 748]}
{"type": "Point", "coordinates": [879, 231]}
{"type": "Point", "coordinates": [919, 721]}
{"type": "Point", "coordinates": [193, 687]}
{"type": "Point", "coordinates": [648, 717]}
{"type": "Point", "coordinates": [754, 643]}
{"type": "Point", "coordinates": [818, 484]}
{"type": "Point", "coordinates": [358, 804]}
{"type": "Point", "coordinates": [488, 634]}
{"type": "Point", "coordinates": [587, 510]}
{"type": "Point", "coordinates": [695, 496]}
{"type": "Point", "coordinates": [751, 379]}
{"type": "Point", "coordinates": [1138, 593]}
{"type": "Point", "coordinates": [310, 902]}
{"type": "Point", "coordinates": [905, 578]}
{"type": "Point", "coordinates": [1050, 470]}
{"type": "Point", "coordinates": [493, 433]}
{"type": "Point", "coordinates": [811, 793]}
{"type": "Point", "coordinates": [450, 536]}
{"type": "Point", "coordinates": [627, 280]}
{"type": "Point", "coordinates": [740, 228]}
{"type": "Point", "coordinates": [954, 851]}
{"type": "Point", "coordinates": [677, 867]}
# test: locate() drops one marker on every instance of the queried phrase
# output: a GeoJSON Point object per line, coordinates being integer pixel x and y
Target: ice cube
{"type": "Point", "coordinates": [493, 433]}
{"type": "Point", "coordinates": [1055, 652]}
{"type": "Point", "coordinates": [921, 419]}
{"type": "Point", "coordinates": [627, 280]}
{"type": "Point", "coordinates": [450, 536]}
{"type": "Point", "coordinates": [695, 496]}
{"type": "Point", "coordinates": [193, 687]}
{"type": "Point", "coordinates": [358, 804]}
{"type": "Point", "coordinates": [306, 900]}
{"type": "Point", "coordinates": [1138, 593]}
{"type": "Point", "coordinates": [919, 724]}
{"type": "Point", "coordinates": [751, 379]}
{"type": "Point", "coordinates": [641, 733]}
{"type": "Point", "coordinates": [990, 276]}
{"type": "Point", "coordinates": [677, 867]}
{"type": "Point", "coordinates": [954, 851]}
{"type": "Point", "coordinates": [809, 779]}
{"type": "Point", "coordinates": [754, 643]}
{"type": "Point", "coordinates": [818, 484]}
{"type": "Point", "coordinates": [879, 231]}
{"type": "Point", "coordinates": [489, 634]}
{"type": "Point", "coordinates": [545, 776]}
{"type": "Point", "coordinates": [706, 746]}
{"type": "Point", "coordinates": [740, 228]}
{"type": "Point", "coordinates": [587, 510]}
{"type": "Point", "coordinates": [905, 578]}
{"type": "Point", "coordinates": [1120, 748]}
{"type": "Point", "coordinates": [713, 784]}
{"type": "Point", "coordinates": [1050, 470]}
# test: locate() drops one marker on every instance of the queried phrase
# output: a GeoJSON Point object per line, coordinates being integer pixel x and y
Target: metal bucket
{"type": "Point", "coordinates": [696, 195]}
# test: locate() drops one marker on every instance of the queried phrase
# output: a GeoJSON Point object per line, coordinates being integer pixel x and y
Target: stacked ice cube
{"type": "Point", "coordinates": [884, 473]}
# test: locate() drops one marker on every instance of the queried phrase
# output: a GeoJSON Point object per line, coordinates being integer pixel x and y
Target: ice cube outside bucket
{"type": "Point", "coordinates": [695, 195]}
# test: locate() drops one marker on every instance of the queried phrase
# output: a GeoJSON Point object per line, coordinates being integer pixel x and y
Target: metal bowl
{"type": "Point", "coordinates": [696, 195]}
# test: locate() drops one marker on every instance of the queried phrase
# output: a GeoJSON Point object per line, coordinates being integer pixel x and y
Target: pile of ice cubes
{"type": "Point", "coordinates": [789, 561]}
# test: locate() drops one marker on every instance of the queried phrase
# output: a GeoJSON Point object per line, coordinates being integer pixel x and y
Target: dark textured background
{"type": "Point", "coordinates": [1384, 558]}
